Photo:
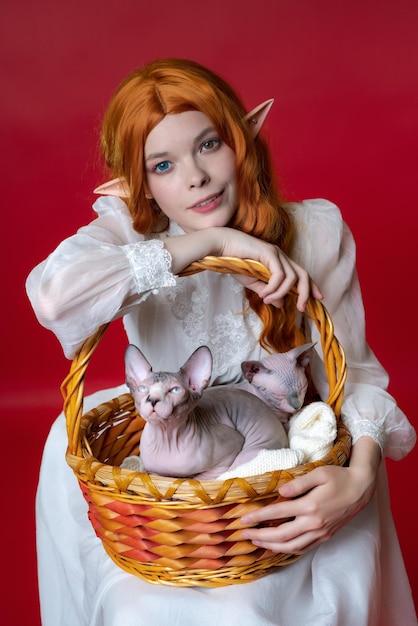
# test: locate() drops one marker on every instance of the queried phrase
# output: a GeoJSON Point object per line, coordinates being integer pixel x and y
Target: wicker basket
{"type": "Point", "coordinates": [182, 532]}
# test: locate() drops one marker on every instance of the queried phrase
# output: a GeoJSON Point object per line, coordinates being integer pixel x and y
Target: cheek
{"type": "Point", "coordinates": [228, 164]}
{"type": "Point", "coordinates": [153, 186]}
{"type": "Point", "coordinates": [230, 177]}
{"type": "Point", "coordinates": [161, 191]}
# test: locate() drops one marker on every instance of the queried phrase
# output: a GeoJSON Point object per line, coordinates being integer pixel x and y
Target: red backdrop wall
{"type": "Point", "coordinates": [344, 126]}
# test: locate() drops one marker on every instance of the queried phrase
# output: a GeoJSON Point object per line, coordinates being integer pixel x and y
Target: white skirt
{"type": "Point", "coordinates": [356, 578]}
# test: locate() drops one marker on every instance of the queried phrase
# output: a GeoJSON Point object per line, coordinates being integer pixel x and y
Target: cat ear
{"type": "Point", "coordinates": [249, 368]}
{"type": "Point", "coordinates": [257, 116]}
{"type": "Point", "coordinates": [198, 369]}
{"type": "Point", "coordinates": [301, 354]}
{"type": "Point", "coordinates": [116, 187]}
{"type": "Point", "coordinates": [137, 367]}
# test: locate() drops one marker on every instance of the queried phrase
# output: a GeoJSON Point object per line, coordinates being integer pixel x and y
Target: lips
{"type": "Point", "coordinates": [207, 203]}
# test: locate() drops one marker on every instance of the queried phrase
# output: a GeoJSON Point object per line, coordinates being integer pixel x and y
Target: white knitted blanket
{"type": "Point", "coordinates": [312, 432]}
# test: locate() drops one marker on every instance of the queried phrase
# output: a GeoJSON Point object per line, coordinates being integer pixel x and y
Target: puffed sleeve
{"type": "Point", "coordinates": [97, 275]}
{"type": "Point", "coordinates": [326, 249]}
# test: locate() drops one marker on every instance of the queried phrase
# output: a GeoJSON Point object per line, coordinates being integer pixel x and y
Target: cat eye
{"type": "Point", "coordinates": [176, 390]}
{"type": "Point", "coordinates": [142, 389]}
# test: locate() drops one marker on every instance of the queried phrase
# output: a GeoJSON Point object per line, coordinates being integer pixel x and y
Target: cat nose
{"type": "Point", "coordinates": [153, 400]}
{"type": "Point", "coordinates": [295, 401]}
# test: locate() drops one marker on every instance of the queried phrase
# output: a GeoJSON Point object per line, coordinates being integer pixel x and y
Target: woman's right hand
{"type": "Point", "coordinates": [222, 241]}
{"type": "Point", "coordinates": [285, 274]}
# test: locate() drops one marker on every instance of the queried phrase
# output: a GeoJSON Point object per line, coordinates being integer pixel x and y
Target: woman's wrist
{"type": "Point", "coordinates": [364, 463]}
{"type": "Point", "coordinates": [366, 453]}
{"type": "Point", "coordinates": [190, 247]}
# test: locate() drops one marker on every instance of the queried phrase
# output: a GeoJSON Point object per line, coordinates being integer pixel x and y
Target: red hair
{"type": "Point", "coordinates": [171, 86]}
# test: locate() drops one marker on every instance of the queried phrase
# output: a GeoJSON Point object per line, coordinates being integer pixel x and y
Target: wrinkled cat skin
{"type": "Point", "coordinates": [279, 380]}
{"type": "Point", "coordinates": [192, 431]}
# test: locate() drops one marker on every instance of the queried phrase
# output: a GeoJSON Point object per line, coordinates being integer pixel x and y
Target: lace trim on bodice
{"type": "Point", "coordinates": [231, 335]}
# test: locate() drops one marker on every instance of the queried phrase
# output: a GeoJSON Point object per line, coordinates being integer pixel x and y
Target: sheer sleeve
{"type": "Point", "coordinates": [97, 275]}
{"type": "Point", "coordinates": [326, 248]}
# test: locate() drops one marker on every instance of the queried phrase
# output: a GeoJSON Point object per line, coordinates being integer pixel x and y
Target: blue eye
{"type": "Point", "coordinates": [162, 167]}
{"type": "Point", "coordinates": [142, 389]}
{"type": "Point", "coordinates": [176, 390]}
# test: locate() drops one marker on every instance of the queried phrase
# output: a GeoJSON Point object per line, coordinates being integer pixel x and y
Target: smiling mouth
{"type": "Point", "coordinates": [207, 201]}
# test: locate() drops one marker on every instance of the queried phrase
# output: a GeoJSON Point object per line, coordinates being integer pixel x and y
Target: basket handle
{"type": "Point", "coordinates": [72, 387]}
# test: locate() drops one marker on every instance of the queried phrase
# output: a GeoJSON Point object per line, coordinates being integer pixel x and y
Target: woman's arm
{"type": "Point", "coordinates": [91, 277]}
{"type": "Point", "coordinates": [106, 269]}
{"type": "Point", "coordinates": [285, 273]}
{"type": "Point", "coordinates": [330, 496]}
{"type": "Point", "coordinates": [327, 249]}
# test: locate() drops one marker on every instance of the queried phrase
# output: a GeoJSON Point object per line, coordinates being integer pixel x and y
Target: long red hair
{"type": "Point", "coordinates": [171, 86]}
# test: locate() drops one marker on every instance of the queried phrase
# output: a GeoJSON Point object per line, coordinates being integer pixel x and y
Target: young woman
{"type": "Point", "coordinates": [192, 177]}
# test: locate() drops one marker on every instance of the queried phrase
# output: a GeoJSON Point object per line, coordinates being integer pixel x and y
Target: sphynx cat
{"type": "Point", "coordinates": [279, 380]}
{"type": "Point", "coordinates": [192, 430]}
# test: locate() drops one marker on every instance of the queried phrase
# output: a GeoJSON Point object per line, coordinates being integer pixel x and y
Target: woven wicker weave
{"type": "Point", "coordinates": [180, 531]}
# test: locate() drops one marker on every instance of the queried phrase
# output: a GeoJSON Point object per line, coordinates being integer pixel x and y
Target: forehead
{"type": "Point", "coordinates": [175, 130]}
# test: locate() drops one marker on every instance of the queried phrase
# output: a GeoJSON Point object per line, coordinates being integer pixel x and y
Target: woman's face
{"type": "Point", "coordinates": [190, 171]}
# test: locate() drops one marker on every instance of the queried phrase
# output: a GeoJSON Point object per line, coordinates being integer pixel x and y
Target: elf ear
{"type": "Point", "coordinates": [115, 187]}
{"type": "Point", "coordinates": [257, 116]}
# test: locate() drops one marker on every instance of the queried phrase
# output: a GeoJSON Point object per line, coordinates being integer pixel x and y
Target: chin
{"type": "Point", "coordinates": [218, 220]}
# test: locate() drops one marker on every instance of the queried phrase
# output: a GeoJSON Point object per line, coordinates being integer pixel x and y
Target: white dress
{"type": "Point", "coordinates": [357, 577]}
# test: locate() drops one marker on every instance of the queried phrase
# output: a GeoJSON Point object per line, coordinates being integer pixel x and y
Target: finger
{"type": "Point", "coordinates": [291, 275]}
{"type": "Point", "coordinates": [302, 484]}
{"type": "Point", "coordinates": [258, 287]}
{"type": "Point", "coordinates": [301, 545]}
{"type": "Point", "coordinates": [285, 510]}
{"type": "Point", "coordinates": [271, 535]}
{"type": "Point", "coordinates": [303, 287]}
{"type": "Point", "coordinates": [279, 286]}
{"type": "Point", "coordinates": [273, 538]}
{"type": "Point", "coordinates": [277, 302]}
{"type": "Point", "coordinates": [280, 273]}
{"type": "Point", "coordinates": [316, 292]}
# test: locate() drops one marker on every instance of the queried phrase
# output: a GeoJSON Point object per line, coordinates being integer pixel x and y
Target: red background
{"type": "Point", "coordinates": [344, 126]}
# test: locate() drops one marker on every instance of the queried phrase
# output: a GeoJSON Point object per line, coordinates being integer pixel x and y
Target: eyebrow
{"type": "Point", "coordinates": [197, 139]}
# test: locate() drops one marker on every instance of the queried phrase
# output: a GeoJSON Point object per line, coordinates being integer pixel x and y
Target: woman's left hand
{"type": "Point", "coordinates": [322, 501]}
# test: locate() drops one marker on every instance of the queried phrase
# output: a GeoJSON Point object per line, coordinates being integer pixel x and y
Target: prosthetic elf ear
{"type": "Point", "coordinates": [257, 116]}
{"type": "Point", "coordinates": [115, 187]}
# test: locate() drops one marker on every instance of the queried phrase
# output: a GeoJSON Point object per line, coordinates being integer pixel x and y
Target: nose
{"type": "Point", "coordinates": [197, 174]}
{"type": "Point", "coordinates": [153, 400]}
{"type": "Point", "coordinates": [295, 400]}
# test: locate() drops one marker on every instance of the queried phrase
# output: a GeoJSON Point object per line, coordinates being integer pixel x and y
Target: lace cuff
{"type": "Point", "coordinates": [365, 428]}
{"type": "Point", "coordinates": [151, 265]}
{"type": "Point", "coordinates": [370, 411]}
